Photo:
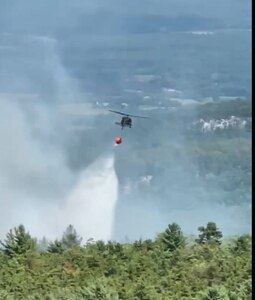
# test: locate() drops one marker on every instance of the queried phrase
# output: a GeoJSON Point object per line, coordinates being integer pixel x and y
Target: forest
{"type": "Point", "coordinates": [170, 266]}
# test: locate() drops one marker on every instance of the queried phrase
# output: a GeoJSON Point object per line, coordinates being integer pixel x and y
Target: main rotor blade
{"type": "Point", "coordinates": [118, 112]}
{"type": "Point", "coordinates": [128, 115]}
{"type": "Point", "coordinates": [139, 117]}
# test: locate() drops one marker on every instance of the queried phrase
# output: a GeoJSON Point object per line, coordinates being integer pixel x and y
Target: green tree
{"type": "Point", "coordinates": [70, 238]}
{"type": "Point", "coordinates": [55, 247]}
{"type": "Point", "coordinates": [242, 243]}
{"type": "Point", "coordinates": [214, 293]}
{"type": "Point", "coordinates": [209, 234]}
{"type": "Point", "coordinates": [99, 291]}
{"type": "Point", "coordinates": [18, 241]}
{"type": "Point", "coordinates": [173, 238]}
{"type": "Point", "coordinates": [243, 291]}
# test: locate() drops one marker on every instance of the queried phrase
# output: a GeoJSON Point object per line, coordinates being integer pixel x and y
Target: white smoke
{"type": "Point", "coordinates": [37, 187]}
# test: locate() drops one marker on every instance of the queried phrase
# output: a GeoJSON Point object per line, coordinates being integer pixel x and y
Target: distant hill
{"type": "Point", "coordinates": [129, 24]}
{"type": "Point", "coordinates": [51, 17]}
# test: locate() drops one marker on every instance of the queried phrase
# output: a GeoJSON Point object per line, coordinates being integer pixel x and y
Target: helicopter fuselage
{"type": "Point", "coordinates": [125, 122]}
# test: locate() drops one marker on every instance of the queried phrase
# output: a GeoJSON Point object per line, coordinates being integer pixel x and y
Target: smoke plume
{"type": "Point", "coordinates": [38, 185]}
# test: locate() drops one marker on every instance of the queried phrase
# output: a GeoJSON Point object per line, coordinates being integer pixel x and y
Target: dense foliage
{"type": "Point", "coordinates": [167, 267]}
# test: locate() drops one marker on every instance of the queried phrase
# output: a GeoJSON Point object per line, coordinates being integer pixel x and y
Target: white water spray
{"type": "Point", "coordinates": [90, 205]}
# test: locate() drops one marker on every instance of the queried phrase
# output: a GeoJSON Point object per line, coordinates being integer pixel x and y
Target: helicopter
{"type": "Point", "coordinates": [126, 121]}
